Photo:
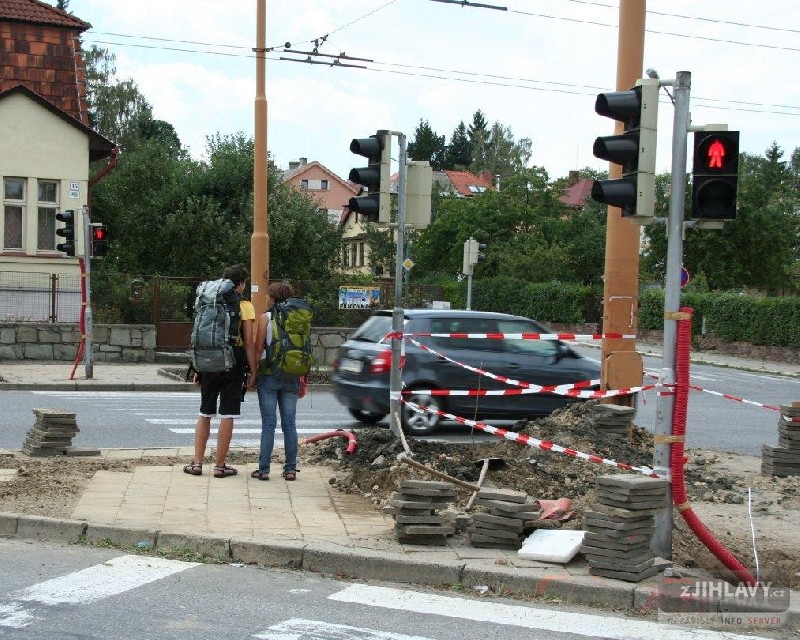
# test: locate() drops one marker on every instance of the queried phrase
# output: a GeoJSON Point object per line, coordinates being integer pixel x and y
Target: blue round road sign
{"type": "Point", "coordinates": [684, 277]}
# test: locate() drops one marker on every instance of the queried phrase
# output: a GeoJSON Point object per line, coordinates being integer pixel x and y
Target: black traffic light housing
{"type": "Point", "coordinates": [375, 205]}
{"type": "Point", "coordinates": [99, 240]}
{"type": "Point", "coordinates": [67, 232]}
{"type": "Point", "coordinates": [634, 150]}
{"type": "Point", "coordinates": [715, 175]}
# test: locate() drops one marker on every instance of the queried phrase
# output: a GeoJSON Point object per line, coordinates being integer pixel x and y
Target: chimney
{"type": "Point", "coordinates": [303, 161]}
{"type": "Point", "coordinates": [486, 176]}
{"type": "Point", "coordinates": [574, 177]}
{"type": "Point", "coordinates": [294, 164]}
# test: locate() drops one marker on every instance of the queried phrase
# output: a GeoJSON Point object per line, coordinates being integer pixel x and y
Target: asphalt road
{"type": "Point", "coordinates": [61, 592]}
{"type": "Point", "coordinates": [166, 419]}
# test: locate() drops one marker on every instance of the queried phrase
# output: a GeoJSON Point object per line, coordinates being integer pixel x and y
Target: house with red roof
{"type": "Point", "coordinates": [46, 143]}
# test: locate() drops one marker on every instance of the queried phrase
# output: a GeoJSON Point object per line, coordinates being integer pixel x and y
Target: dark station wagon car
{"type": "Point", "coordinates": [362, 367]}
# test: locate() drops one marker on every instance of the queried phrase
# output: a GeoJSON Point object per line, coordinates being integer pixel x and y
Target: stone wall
{"type": "Point", "coordinates": [59, 341]}
{"type": "Point", "coordinates": [120, 342]}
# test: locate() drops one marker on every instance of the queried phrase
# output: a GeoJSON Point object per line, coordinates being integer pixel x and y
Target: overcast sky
{"type": "Point", "coordinates": [536, 67]}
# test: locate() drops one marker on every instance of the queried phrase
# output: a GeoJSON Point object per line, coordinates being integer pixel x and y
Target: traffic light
{"type": "Point", "coordinates": [375, 206]}
{"type": "Point", "coordinates": [466, 265]}
{"type": "Point", "coordinates": [715, 175]}
{"type": "Point", "coordinates": [99, 240]}
{"type": "Point", "coordinates": [419, 183]}
{"type": "Point", "coordinates": [634, 150]}
{"type": "Point", "coordinates": [475, 253]}
{"type": "Point", "coordinates": [67, 231]}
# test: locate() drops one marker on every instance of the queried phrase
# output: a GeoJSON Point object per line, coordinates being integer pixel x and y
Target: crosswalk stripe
{"type": "Point", "coordinates": [89, 585]}
{"type": "Point", "coordinates": [593, 626]}
{"type": "Point", "coordinates": [299, 629]}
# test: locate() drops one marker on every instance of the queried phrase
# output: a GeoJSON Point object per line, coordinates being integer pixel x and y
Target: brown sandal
{"type": "Point", "coordinates": [260, 475]}
{"type": "Point", "coordinates": [290, 475]}
{"type": "Point", "coordinates": [193, 469]}
{"type": "Point", "coordinates": [224, 471]}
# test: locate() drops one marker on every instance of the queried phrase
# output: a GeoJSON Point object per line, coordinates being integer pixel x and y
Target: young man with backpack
{"type": "Point", "coordinates": [283, 332]}
{"type": "Point", "coordinates": [224, 358]}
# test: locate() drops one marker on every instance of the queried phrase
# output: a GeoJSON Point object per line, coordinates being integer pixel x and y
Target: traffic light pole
{"type": "Point", "coordinates": [88, 356]}
{"type": "Point", "coordinates": [395, 389]}
{"type": "Point", "coordinates": [662, 538]}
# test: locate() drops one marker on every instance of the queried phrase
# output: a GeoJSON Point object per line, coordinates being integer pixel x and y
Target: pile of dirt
{"type": "Point", "coordinates": [722, 487]}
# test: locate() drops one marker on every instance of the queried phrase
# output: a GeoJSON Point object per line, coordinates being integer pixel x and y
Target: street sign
{"type": "Point", "coordinates": [684, 277]}
{"type": "Point", "coordinates": [407, 264]}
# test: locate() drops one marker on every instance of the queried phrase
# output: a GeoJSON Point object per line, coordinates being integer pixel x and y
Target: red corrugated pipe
{"type": "Point", "coordinates": [678, 460]}
{"type": "Point", "coordinates": [351, 437]}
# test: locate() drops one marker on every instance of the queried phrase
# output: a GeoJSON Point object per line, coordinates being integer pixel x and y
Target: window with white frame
{"type": "Point", "coordinates": [47, 205]}
{"type": "Point", "coordinates": [13, 212]}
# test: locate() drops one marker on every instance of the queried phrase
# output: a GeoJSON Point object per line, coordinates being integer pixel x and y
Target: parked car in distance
{"type": "Point", "coordinates": [363, 364]}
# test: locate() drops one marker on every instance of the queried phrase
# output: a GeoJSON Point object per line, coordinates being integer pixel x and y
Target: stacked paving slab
{"type": "Point", "coordinates": [415, 509]}
{"type": "Point", "coordinates": [621, 525]}
{"type": "Point", "coordinates": [504, 518]}
{"type": "Point", "coordinates": [613, 418]}
{"type": "Point", "coordinates": [52, 435]}
{"type": "Point", "coordinates": [784, 460]}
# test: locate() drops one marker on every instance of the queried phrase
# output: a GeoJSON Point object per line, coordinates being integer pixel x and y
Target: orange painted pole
{"type": "Point", "coordinates": [621, 290]}
{"type": "Point", "coordinates": [259, 242]}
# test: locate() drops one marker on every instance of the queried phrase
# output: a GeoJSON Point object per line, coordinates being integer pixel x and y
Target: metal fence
{"type": "Point", "coordinates": [39, 297]}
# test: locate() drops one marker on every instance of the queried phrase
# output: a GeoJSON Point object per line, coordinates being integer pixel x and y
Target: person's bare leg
{"type": "Point", "coordinates": [224, 436]}
{"type": "Point", "coordinates": [201, 432]}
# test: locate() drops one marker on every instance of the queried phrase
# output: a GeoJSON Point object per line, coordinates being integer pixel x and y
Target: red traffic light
{"type": "Point", "coordinates": [99, 240]}
{"type": "Point", "coordinates": [716, 152]}
{"type": "Point", "coordinates": [99, 233]}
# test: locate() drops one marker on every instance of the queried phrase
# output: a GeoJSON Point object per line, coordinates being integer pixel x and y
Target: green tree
{"type": "Point", "coordinates": [427, 145]}
{"type": "Point", "coordinates": [459, 151]}
{"type": "Point", "coordinates": [499, 153]}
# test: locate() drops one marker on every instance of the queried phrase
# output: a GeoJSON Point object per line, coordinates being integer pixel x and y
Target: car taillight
{"type": "Point", "coordinates": [381, 363]}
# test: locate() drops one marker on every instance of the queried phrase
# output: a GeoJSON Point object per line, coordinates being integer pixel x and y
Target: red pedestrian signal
{"type": "Point", "coordinates": [99, 240]}
{"type": "Point", "coordinates": [715, 175]}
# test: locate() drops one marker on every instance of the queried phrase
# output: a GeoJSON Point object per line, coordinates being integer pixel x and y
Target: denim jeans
{"type": "Point", "coordinates": [278, 394]}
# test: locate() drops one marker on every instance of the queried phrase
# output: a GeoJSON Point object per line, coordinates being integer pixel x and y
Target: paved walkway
{"type": "Point", "coordinates": [305, 524]}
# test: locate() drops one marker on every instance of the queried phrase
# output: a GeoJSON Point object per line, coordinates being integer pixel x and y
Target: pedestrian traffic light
{"type": "Point", "coordinates": [715, 175]}
{"type": "Point", "coordinates": [375, 205]}
{"type": "Point", "coordinates": [67, 231]}
{"type": "Point", "coordinates": [634, 149]}
{"type": "Point", "coordinates": [476, 252]}
{"type": "Point", "coordinates": [99, 240]}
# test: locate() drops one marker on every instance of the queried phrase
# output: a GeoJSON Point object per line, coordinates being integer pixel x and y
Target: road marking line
{"type": "Point", "coordinates": [299, 629]}
{"type": "Point", "coordinates": [593, 626]}
{"type": "Point", "coordinates": [239, 431]}
{"type": "Point", "coordinates": [89, 585]}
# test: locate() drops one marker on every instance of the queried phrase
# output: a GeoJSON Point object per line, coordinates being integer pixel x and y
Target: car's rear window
{"type": "Point", "coordinates": [374, 329]}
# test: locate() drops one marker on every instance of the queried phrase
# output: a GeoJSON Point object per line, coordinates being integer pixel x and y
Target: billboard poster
{"type": "Point", "coordinates": [359, 297]}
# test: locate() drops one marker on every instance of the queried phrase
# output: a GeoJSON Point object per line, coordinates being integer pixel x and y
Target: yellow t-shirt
{"type": "Point", "coordinates": [248, 312]}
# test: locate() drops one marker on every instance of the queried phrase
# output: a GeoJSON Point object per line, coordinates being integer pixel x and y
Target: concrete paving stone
{"type": "Point", "coordinates": [408, 504]}
{"type": "Point", "coordinates": [44, 528]}
{"type": "Point", "coordinates": [611, 522]}
{"type": "Point", "coordinates": [121, 536]}
{"type": "Point", "coordinates": [509, 507]}
{"type": "Point", "coordinates": [207, 546]}
{"type": "Point", "coordinates": [620, 534]}
{"type": "Point", "coordinates": [596, 554]}
{"type": "Point", "coordinates": [630, 482]}
{"type": "Point", "coordinates": [791, 410]}
{"type": "Point", "coordinates": [421, 529]}
{"type": "Point", "coordinates": [615, 564]}
{"type": "Point", "coordinates": [445, 494]}
{"type": "Point", "coordinates": [502, 534]}
{"type": "Point", "coordinates": [480, 540]}
{"type": "Point", "coordinates": [627, 576]}
{"type": "Point", "coordinates": [523, 516]}
{"type": "Point", "coordinates": [624, 513]}
{"type": "Point", "coordinates": [617, 542]}
{"type": "Point", "coordinates": [506, 495]}
{"type": "Point", "coordinates": [631, 504]}
{"type": "Point", "coordinates": [487, 518]}
{"type": "Point", "coordinates": [421, 484]}
{"type": "Point", "coordinates": [620, 493]}
{"type": "Point", "coordinates": [419, 519]}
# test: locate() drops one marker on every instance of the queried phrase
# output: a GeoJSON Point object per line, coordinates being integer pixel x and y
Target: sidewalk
{"type": "Point", "coordinates": [307, 524]}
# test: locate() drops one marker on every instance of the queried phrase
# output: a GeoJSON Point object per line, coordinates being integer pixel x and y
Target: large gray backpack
{"type": "Point", "coordinates": [216, 326]}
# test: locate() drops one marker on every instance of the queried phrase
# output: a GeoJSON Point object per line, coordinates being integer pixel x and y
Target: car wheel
{"type": "Point", "coordinates": [419, 424]}
{"type": "Point", "coordinates": [367, 417]}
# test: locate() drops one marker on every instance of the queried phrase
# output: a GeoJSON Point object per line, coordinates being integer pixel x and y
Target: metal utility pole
{"type": "Point", "coordinates": [398, 315]}
{"type": "Point", "coordinates": [88, 354]}
{"type": "Point", "coordinates": [259, 241]}
{"type": "Point", "coordinates": [661, 543]}
{"type": "Point", "coordinates": [621, 364]}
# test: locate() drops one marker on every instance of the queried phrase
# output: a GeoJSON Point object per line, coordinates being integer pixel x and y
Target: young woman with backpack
{"type": "Point", "coordinates": [277, 391]}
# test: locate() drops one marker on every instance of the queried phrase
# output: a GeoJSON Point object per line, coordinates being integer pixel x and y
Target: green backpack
{"type": "Point", "coordinates": [289, 353]}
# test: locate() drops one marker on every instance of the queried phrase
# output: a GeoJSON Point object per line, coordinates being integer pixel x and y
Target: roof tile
{"type": "Point", "coordinates": [36, 12]}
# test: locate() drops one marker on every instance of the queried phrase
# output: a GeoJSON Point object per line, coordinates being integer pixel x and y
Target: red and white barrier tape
{"type": "Point", "coordinates": [530, 441]}
{"type": "Point", "coordinates": [728, 396]}
{"type": "Point", "coordinates": [572, 390]}
{"type": "Point", "coordinates": [525, 336]}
